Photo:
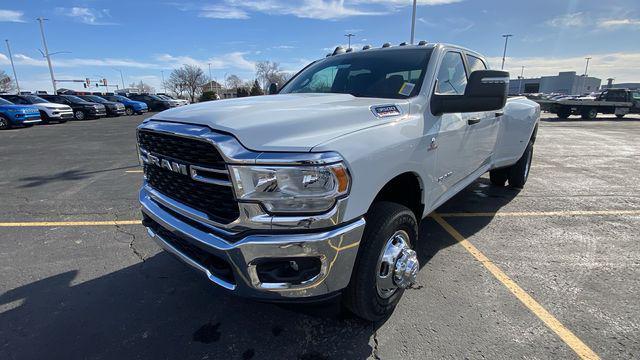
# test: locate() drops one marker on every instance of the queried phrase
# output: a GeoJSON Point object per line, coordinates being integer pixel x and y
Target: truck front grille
{"type": "Point", "coordinates": [217, 201]}
{"type": "Point", "coordinates": [186, 149]}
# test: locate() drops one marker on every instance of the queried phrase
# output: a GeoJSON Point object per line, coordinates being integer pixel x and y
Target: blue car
{"type": "Point", "coordinates": [11, 114]}
{"type": "Point", "coordinates": [130, 106]}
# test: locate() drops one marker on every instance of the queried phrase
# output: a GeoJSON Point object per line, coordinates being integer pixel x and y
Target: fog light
{"type": "Point", "coordinates": [288, 270]}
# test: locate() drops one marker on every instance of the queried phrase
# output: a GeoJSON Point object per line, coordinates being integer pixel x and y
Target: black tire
{"type": "Point", "coordinates": [499, 177]}
{"type": "Point", "coordinates": [519, 172]}
{"type": "Point", "coordinates": [79, 115]}
{"type": "Point", "coordinates": [620, 116]}
{"type": "Point", "coordinates": [361, 296]}
{"type": "Point", "coordinates": [589, 114]}
{"type": "Point", "coordinates": [44, 118]}
{"type": "Point", "coordinates": [563, 113]}
{"type": "Point", "coordinates": [5, 124]}
{"type": "Point", "coordinates": [129, 111]}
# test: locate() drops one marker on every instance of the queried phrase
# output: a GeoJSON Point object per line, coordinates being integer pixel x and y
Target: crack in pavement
{"type": "Point", "coordinates": [374, 353]}
{"type": "Point", "coordinates": [135, 251]}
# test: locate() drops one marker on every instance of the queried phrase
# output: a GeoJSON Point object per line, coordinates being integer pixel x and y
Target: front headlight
{"type": "Point", "coordinates": [291, 189]}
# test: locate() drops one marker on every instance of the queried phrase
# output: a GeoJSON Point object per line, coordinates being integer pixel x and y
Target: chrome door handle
{"type": "Point", "coordinates": [473, 121]}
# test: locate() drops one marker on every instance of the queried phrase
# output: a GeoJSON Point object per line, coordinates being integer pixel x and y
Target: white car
{"type": "Point", "coordinates": [174, 102]}
{"type": "Point", "coordinates": [48, 111]}
{"type": "Point", "coordinates": [319, 189]}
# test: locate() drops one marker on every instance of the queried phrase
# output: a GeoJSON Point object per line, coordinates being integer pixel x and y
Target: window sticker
{"type": "Point", "coordinates": [406, 89]}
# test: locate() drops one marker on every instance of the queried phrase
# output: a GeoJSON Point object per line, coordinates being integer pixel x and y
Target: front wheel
{"type": "Point", "coordinates": [44, 118]}
{"type": "Point", "coordinates": [620, 116]}
{"type": "Point", "coordinates": [80, 115]}
{"type": "Point", "coordinates": [4, 123]}
{"type": "Point", "coordinates": [386, 263]}
{"type": "Point", "coordinates": [129, 111]}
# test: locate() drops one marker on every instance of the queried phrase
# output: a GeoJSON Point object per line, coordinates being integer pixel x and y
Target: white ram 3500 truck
{"type": "Point", "coordinates": [318, 190]}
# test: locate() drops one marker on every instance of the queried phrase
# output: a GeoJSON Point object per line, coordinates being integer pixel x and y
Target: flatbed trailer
{"type": "Point", "coordinates": [619, 102]}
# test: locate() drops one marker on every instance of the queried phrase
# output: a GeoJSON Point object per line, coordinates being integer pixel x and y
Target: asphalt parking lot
{"type": "Point", "coordinates": [552, 271]}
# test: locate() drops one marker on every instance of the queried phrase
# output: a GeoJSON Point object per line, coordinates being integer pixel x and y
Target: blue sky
{"type": "Point", "coordinates": [143, 37]}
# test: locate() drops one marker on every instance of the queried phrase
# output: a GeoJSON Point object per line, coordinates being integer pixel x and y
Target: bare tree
{"type": "Point", "coordinates": [6, 83]}
{"type": "Point", "coordinates": [233, 82]}
{"type": "Point", "coordinates": [268, 72]}
{"type": "Point", "coordinates": [189, 79]}
{"type": "Point", "coordinates": [142, 87]}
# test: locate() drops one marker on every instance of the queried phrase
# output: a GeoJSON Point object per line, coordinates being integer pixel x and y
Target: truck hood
{"type": "Point", "coordinates": [286, 122]}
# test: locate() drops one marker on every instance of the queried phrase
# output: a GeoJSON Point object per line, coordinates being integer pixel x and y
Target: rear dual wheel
{"type": "Point", "coordinates": [517, 174]}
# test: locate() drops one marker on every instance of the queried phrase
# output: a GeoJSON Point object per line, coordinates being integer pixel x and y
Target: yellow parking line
{"type": "Point", "coordinates": [542, 213]}
{"type": "Point", "coordinates": [134, 171]}
{"type": "Point", "coordinates": [70, 223]}
{"type": "Point", "coordinates": [565, 334]}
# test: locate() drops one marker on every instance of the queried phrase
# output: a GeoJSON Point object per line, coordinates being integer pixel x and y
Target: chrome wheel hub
{"type": "Point", "coordinates": [397, 266]}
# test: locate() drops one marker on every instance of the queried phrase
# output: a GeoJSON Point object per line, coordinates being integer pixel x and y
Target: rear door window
{"type": "Point", "coordinates": [452, 76]}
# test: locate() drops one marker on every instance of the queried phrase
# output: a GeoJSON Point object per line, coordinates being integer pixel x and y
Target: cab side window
{"type": "Point", "coordinates": [452, 76]}
{"type": "Point", "coordinates": [475, 63]}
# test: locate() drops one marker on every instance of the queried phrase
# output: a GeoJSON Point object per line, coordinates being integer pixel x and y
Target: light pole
{"type": "Point", "coordinates": [413, 21]}
{"type": "Point", "coordinates": [12, 66]}
{"type": "Point", "coordinates": [210, 79]}
{"type": "Point", "coordinates": [504, 53]}
{"type": "Point", "coordinates": [121, 77]}
{"type": "Point", "coordinates": [349, 35]}
{"type": "Point", "coordinates": [164, 87]}
{"type": "Point", "coordinates": [586, 68]}
{"type": "Point", "coordinates": [46, 54]}
{"type": "Point", "coordinates": [522, 80]}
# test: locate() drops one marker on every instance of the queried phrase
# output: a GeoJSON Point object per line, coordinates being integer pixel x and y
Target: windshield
{"type": "Point", "coordinates": [395, 74]}
{"type": "Point", "coordinates": [94, 98]}
{"type": "Point", "coordinates": [165, 97]}
{"type": "Point", "coordinates": [74, 99]}
{"type": "Point", "coordinates": [156, 97]}
{"type": "Point", "coordinates": [5, 102]}
{"type": "Point", "coordinates": [35, 99]}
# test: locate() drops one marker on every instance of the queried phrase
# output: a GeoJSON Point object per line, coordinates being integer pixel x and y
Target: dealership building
{"type": "Point", "coordinates": [566, 82]}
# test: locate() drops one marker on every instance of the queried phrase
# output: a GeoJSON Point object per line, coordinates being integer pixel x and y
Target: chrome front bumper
{"type": "Point", "coordinates": [336, 248]}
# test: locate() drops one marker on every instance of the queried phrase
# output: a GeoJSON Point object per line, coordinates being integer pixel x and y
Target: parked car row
{"type": "Point", "coordinates": [29, 109]}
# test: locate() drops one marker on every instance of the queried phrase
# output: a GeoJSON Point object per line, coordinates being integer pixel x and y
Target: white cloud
{"type": "Point", "coordinates": [87, 15]}
{"type": "Point", "coordinates": [399, 3]}
{"type": "Point", "coordinates": [11, 16]}
{"type": "Point", "coordinates": [577, 19]}
{"type": "Point", "coordinates": [222, 12]}
{"type": "Point", "coordinates": [620, 66]}
{"type": "Point", "coordinates": [310, 9]}
{"type": "Point", "coordinates": [617, 23]}
{"type": "Point", "coordinates": [22, 59]}
{"type": "Point", "coordinates": [234, 60]}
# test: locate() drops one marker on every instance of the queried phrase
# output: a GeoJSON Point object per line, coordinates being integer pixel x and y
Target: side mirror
{"type": "Point", "coordinates": [486, 90]}
{"type": "Point", "coordinates": [273, 88]}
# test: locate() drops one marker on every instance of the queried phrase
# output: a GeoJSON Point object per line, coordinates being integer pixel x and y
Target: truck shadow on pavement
{"type": "Point", "coordinates": [160, 309]}
{"type": "Point", "coordinates": [68, 175]}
